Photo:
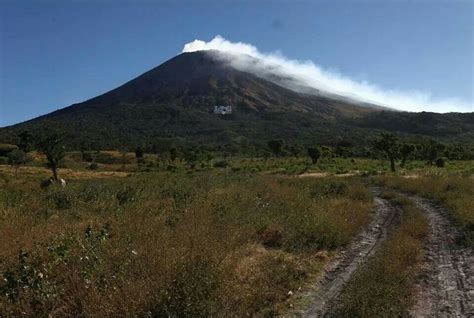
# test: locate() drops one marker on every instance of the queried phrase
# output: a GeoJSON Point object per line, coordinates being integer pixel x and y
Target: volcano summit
{"type": "Point", "coordinates": [177, 100]}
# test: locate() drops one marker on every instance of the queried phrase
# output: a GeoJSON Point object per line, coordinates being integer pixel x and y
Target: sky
{"type": "Point", "coordinates": [57, 53]}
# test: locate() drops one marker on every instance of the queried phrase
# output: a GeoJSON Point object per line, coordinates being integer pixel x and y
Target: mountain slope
{"type": "Point", "coordinates": [175, 100]}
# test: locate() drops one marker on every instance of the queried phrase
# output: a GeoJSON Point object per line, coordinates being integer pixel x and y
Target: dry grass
{"type": "Point", "coordinates": [384, 286]}
{"type": "Point", "coordinates": [65, 173]}
{"type": "Point", "coordinates": [169, 244]}
{"type": "Point", "coordinates": [455, 193]}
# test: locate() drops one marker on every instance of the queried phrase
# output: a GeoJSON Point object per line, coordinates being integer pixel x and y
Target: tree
{"type": "Point", "coordinates": [314, 153]}
{"type": "Point", "coordinates": [173, 154]}
{"type": "Point", "coordinates": [50, 143]}
{"type": "Point", "coordinates": [388, 143]}
{"type": "Point", "coordinates": [275, 146]}
{"type": "Point", "coordinates": [439, 162]}
{"type": "Point", "coordinates": [430, 150]}
{"type": "Point", "coordinates": [139, 154]}
{"type": "Point", "coordinates": [326, 153]}
{"type": "Point", "coordinates": [16, 158]}
{"type": "Point", "coordinates": [191, 157]}
{"type": "Point", "coordinates": [294, 150]}
{"type": "Point", "coordinates": [26, 141]}
{"type": "Point", "coordinates": [405, 151]}
{"type": "Point", "coordinates": [342, 148]}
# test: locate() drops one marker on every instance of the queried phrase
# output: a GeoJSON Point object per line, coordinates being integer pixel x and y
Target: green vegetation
{"type": "Point", "coordinates": [384, 286]}
{"type": "Point", "coordinates": [314, 154]}
{"type": "Point", "coordinates": [16, 158]}
{"type": "Point", "coordinates": [51, 144]}
{"type": "Point", "coordinates": [389, 145]}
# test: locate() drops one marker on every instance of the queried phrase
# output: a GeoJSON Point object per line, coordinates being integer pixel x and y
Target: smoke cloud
{"type": "Point", "coordinates": [305, 76]}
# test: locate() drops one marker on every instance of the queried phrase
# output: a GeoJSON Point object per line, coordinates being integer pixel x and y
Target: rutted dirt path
{"type": "Point", "coordinates": [339, 270]}
{"type": "Point", "coordinates": [446, 283]}
{"type": "Point", "coordinates": [445, 286]}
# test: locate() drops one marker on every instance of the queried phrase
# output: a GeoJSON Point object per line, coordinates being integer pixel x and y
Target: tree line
{"type": "Point", "coordinates": [50, 142]}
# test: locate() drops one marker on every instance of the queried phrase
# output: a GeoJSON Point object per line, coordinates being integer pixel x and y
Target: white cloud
{"type": "Point", "coordinates": [247, 57]}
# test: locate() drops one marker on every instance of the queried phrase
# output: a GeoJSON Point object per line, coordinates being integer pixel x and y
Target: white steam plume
{"type": "Point", "coordinates": [303, 76]}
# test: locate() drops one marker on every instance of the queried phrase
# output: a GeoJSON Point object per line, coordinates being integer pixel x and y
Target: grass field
{"type": "Point", "coordinates": [170, 243]}
{"type": "Point", "coordinates": [227, 237]}
{"type": "Point", "coordinates": [453, 192]}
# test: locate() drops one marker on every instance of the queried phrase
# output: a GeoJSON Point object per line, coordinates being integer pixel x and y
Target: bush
{"type": "Point", "coordinates": [127, 194]}
{"type": "Point", "coordinates": [270, 238]}
{"type": "Point", "coordinates": [221, 164]}
{"type": "Point", "coordinates": [329, 188]}
{"type": "Point", "coordinates": [93, 166]}
{"type": "Point", "coordinates": [62, 199]}
{"type": "Point", "coordinates": [439, 163]}
{"type": "Point", "coordinates": [171, 168]}
{"type": "Point", "coordinates": [6, 148]}
{"type": "Point", "coordinates": [87, 156]}
{"type": "Point", "coordinates": [90, 192]}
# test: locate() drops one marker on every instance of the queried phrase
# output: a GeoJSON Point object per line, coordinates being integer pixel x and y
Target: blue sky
{"type": "Point", "coordinates": [56, 53]}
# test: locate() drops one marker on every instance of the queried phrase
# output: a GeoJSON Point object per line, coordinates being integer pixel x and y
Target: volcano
{"type": "Point", "coordinates": [177, 100]}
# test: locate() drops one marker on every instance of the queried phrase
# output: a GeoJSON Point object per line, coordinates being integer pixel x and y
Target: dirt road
{"type": "Point", "coordinates": [339, 270]}
{"type": "Point", "coordinates": [445, 285]}
{"type": "Point", "coordinates": [446, 282]}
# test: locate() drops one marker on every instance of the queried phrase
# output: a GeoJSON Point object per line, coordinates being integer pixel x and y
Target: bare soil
{"type": "Point", "coordinates": [445, 284]}
{"type": "Point", "coordinates": [446, 281]}
{"type": "Point", "coordinates": [326, 292]}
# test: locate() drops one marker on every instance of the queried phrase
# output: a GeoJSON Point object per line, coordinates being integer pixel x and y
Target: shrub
{"type": "Point", "coordinates": [171, 168]}
{"type": "Point", "coordinates": [87, 156]}
{"type": "Point", "coordinates": [221, 164]}
{"type": "Point", "coordinates": [270, 238]}
{"type": "Point", "coordinates": [93, 166]}
{"type": "Point", "coordinates": [329, 188]}
{"type": "Point", "coordinates": [90, 192]}
{"type": "Point", "coordinates": [62, 199]}
{"type": "Point", "coordinates": [439, 162]}
{"type": "Point", "coordinates": [127, 194]}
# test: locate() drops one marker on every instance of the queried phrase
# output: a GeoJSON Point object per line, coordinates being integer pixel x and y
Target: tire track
{"type": "Point", "coordinates": [446, 282]}
{"type": "Point", "coordinates": [326, 292]}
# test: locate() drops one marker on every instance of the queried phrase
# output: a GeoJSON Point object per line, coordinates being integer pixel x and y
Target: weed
{"type": "Point", "coordinates": [384, 286]}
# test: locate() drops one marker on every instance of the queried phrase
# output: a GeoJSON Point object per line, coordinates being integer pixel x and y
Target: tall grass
{"type": "Point", "coordinates": [169, 244]}
{"type": "Point", "coordinates": [384, 286]}
{"type": "Point", "coordinates": [455, 193]}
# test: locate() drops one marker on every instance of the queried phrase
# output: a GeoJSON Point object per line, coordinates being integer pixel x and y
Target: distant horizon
{"type": "Point", "coordinates": [56, 54]}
